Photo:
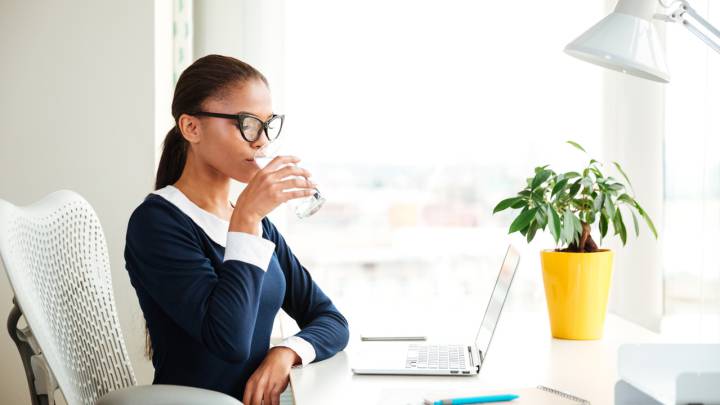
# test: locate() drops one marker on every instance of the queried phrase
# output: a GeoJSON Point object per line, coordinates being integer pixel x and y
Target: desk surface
{"type": "Point", "coordinates": [522, 354]}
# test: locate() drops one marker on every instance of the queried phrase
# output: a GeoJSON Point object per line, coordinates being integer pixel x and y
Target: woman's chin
{"type": "Point", "coordinates": [245, 176]}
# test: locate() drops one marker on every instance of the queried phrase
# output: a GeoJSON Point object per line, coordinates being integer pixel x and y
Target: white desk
{"type": "Point", "coordinates": [522, 354]}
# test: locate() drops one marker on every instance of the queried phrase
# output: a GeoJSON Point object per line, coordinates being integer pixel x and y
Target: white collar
{"type": "Point", "coordinates": [215, 227]}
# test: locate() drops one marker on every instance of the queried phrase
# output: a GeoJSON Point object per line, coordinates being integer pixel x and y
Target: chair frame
{"type": "Point", "coordinates": [41, 382]}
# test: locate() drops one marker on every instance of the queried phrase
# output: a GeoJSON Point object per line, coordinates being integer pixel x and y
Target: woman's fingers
{"type": "Point", "coordinates": [297, 182]}
{"type": "Point", "coordinates": [247, 395]}
{"type": "Point", "coordinates": [272, 395]}
{"type": "Point", "coordinates": [254, 391]}
{"type": "Point", "coordinates": [288, 171]}
{"type": "Point", "coordinates": [291, 195]}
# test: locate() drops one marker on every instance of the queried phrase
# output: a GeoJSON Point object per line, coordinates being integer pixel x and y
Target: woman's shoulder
{"type": "Point", "coordinates": [155, 212]}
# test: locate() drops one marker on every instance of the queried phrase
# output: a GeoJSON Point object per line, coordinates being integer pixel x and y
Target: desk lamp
{"type": "Point", "coordinates": [626, 40]}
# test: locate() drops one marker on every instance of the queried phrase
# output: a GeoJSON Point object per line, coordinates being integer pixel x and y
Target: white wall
{"type": "Point", "coordinates": [633, 135]}
{"type": "Point", "coordinates": [77, 112]}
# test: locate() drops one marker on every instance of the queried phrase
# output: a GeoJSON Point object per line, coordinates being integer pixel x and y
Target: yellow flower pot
{"type": "Point", "coordinates": [576, 290]}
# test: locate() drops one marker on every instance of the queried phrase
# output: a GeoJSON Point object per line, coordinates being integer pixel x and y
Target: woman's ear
{"type": "Point", "coordinates": [189, 128]}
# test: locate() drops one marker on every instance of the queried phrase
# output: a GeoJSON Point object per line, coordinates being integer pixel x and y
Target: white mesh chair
{"type": "Point", "coordinates": [56, 259]}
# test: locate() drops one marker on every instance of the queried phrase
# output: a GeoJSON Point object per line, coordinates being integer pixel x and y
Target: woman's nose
{"type": "Point", "coordinates": [260, 142]}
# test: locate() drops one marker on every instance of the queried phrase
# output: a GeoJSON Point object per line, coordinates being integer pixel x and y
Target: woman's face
{"type": "Point", "coordinates": [219, 143]}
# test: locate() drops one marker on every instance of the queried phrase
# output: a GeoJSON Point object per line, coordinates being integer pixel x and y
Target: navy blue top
{"type": "Point", "coordinates": [210, 321]}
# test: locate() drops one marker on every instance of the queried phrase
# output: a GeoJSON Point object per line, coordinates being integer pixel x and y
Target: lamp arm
{"type": "Point", "coordinates": [691, 11]}
{"type": "Point", "coordinates": [680, 15]}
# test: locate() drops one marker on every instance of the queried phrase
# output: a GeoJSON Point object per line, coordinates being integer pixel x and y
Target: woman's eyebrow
{"type": "Point", "coordinates": [249, 113]}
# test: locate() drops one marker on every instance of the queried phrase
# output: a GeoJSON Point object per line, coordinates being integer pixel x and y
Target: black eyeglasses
{"type": "Point", "coordinates": [250, 126]}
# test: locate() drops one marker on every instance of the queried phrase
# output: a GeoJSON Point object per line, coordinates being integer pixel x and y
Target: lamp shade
{"type": "Point", "coordinates": [625, 41]}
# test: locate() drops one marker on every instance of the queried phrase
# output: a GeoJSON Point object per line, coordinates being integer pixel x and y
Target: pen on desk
{"type": "Point", "coordinates": [473, 400]}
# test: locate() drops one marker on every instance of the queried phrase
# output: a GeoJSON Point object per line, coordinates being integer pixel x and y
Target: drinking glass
{"type": "Point", "coordinates": [303, 207]}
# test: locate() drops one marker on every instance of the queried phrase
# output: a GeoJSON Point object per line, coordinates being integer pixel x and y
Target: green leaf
{"type": "Point", "coordinates": [522, 202]}
{"type": "Point", "coordinates": [574, 188]}
{"type": "Point", "coordinates": [598, 202]}
{"type": "Point", "coordinates": [609, 208]}
{"type": "Point", "coordinates": [635, 223]}
{"type": "Point", "coordinates": [590, 217]}
{"type": "Point", "coordinates": [647, 219]}
{"type": "Point", "coordinates": [506, 203]}
{"type": "Point", "coordinates": [603, 225]}
{"type": "Point", "coordinates": [568, 231]}
{"type": "Point", "coordinates": [540, 178]}
{"type": "Point", "coordinates": [616, 186]}
{"type": "Point", "coordinates": [554, 219]}
{"type": "Point", "coordinates": [619, 226]}
{"type": "Point", "coordinates": [559, 186]}
{"type": "Point", "coordinates": [571, 175]}
{"type": "Point", "coordinates": [627, 200]}
{"type": "Point", "coordinates": [531, 231]}
{"type": "Point", "coordinates": [577, 226]}
{"type": "Point", "coordinates": [577, 145]}
{"type": "Point", "coordinates": [522, 220]}
{"type": "Point", "coordinates": [617, 165]}
{"type": "Point", "coordinates": [541, 218]}
{"type": "Point", "coordinates": [586, 182]}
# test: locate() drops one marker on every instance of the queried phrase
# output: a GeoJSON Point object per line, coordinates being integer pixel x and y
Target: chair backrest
{"type": "Point", "coordinates": [56, 258]}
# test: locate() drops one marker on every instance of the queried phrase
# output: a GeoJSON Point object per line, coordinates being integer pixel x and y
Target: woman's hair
{"type": "Point", "coordinates": [208, 77]}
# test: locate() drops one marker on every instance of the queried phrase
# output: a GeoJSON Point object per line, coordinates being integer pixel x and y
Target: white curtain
{"type": "Point", "coordinates": [692, 183]}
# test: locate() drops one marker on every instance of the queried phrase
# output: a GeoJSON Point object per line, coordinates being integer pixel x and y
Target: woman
{"type": "Point", "coordinates": [211, 275]}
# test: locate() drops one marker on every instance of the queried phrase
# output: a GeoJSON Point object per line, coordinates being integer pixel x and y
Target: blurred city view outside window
{"type": "Point", "coordinates": [415, 130]}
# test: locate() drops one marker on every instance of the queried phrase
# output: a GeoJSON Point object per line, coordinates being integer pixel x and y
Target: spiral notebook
{"type": "Point", "coordinates": [539, 395]}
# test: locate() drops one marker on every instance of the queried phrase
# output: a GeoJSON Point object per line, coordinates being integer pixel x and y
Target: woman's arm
{"type": "Point", "coordinates": [164, 257]}
{"type": "Point", "coordinates": [324, 330]}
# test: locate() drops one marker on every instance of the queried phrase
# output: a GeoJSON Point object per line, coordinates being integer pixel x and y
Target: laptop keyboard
{"type": "Point", "coordinates": [437, 357]}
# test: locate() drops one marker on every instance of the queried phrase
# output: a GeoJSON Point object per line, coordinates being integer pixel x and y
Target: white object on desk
{"type": "Point", "coordinates": [668, 374]}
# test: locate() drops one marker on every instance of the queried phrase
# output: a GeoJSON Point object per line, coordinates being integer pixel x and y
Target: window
{"type": "Point", "coordinates": [416, 118]}
{"type": "Point", "coordinates": [692, 181]}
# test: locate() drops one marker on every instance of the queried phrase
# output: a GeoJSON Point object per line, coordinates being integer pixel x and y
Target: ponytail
{"type": "Point", "coordinates": [206, 77]}
{"type": "Point", "coordinates": [172, 160]}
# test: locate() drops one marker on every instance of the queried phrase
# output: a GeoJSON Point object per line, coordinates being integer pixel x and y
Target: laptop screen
{"type": "Point", "coordinates": [497, 300]}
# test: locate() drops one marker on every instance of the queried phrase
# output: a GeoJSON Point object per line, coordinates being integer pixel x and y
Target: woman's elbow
{"type": "Point", "coordinates": [344, 338]}
{"type": "Point", "coordinates": [343, 333]}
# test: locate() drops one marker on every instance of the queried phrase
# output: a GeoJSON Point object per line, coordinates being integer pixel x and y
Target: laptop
{"type": "Point", "coordinates": [444, 359]}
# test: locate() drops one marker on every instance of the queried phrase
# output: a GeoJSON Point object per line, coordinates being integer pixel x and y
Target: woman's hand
{"type": "Point", "coordinates": [271, 377]}
{"type": "Point", "coordinates": [266, 190]}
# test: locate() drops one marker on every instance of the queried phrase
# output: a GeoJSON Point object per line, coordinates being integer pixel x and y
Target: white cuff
{"type": "Point", "coordinates": [249, 249]}
{"type": "Point", "coordinates": [302, 347]}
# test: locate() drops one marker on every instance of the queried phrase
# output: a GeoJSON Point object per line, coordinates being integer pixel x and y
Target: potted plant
{"type": "Point", "coordinates": [577, 273]}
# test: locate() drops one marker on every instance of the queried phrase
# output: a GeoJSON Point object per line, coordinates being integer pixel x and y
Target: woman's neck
{"type": "Point", "coordinates": [205, 187]}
